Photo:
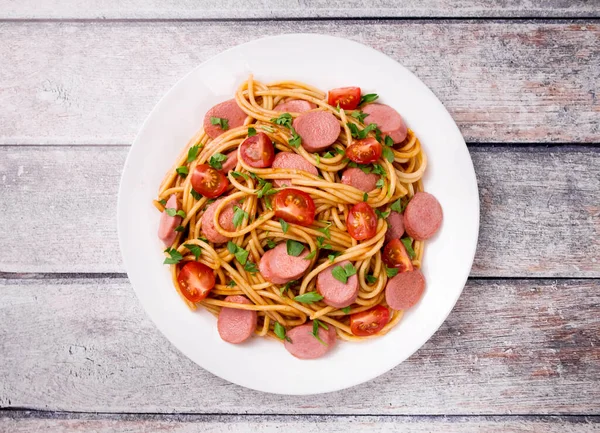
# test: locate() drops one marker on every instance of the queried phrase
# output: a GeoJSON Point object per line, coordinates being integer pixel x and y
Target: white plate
{"type": "Point", "coordinates": [325, 62]}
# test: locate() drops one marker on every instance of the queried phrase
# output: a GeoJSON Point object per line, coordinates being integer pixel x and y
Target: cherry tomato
{"type": "Point", "coordinates": [369, 322]}
{"type": "Point", "coordinates": [294, 206]}
{"type": "Point", "coordinates": [347, 97]}
{"type": "Point", "coordinates": [364, 151]}
{"type": "Point", "coordinates": [196, 280]}
{"type": "Point", "coordinates": [257, 151]}
{"type": "Point", "coordinates": [362, 222]}
{"type": "Point", "coordinates": [209, 182]}
{"type": "Point", "coordinates": [395, 256]}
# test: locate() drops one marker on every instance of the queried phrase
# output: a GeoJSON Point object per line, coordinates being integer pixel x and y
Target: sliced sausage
{"type": "Point", "coordinates": [235, 325]}
{"type": "Point", "coordinates": [387, 119]}
{"type": "Point", "coordinates": [395, 228]}
{"type": "Point", "coordinates": [318, 130]}
{"type": "Point", "coordinates": [335, 293]}
{"type": "Point", "coordinates": [166, 228]}
{"type": "Point", "coordinates": [405, 289]}
{"type": "Point", "coordinates": [423, 216]}
{"type": "Point", "coordinates": [292, 161]}
{"type": "Point", "coordinates": [357, 178]}
{"type": "Point", "coordinates": [225, 220]}
{"type": "Point", "coordinates": [265, 269]}
{"type": "Point", "coordinates": [295, 106]}
{"type": "Point", "coordinates": [278, 267]}
{"type": "Point", "coordinates": [230, 163]}
{"type": "Point", "coordinates": [304, 345]}
{"type": "Point", "coordinates": [225, 110]}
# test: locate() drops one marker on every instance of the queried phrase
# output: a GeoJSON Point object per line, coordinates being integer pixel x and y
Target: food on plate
{"type": "Point", "coordinates": [299, 215]}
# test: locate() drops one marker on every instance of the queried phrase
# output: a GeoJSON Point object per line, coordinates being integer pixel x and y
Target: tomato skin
{"type": "Point", "coordinates": [258, 151]}
{"type": "Point", "coordinates": [196, 280]}
{"type": "Point", "coordinates": [347, 97]}
{"type": "Point", "coordinates": [294, 206]}
{"type": "Point", "coordinates": [208, 181]}
{"type": "Point", "coordinates": [369, 322]}
{"type": "Point", "coordinates": [395, 256]}
{"type": "Point", "coordinates": [364, 151]}
{"type": "Point", "coordinates": [362, 222]}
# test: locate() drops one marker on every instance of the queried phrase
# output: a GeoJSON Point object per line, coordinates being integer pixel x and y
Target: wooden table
{"type": "Point", "coordinates": [520, 351]}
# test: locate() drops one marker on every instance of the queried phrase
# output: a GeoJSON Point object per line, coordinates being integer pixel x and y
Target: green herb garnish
{"type": "Point", "coordinates": [194, 249]}
{"type": "Point", "coordinates": [223, 123]}
{"type": "Point", "coordinates": [216, 161]}
{"type": "Point", "coordinates": [308, 298]}
{"type": "Point", "coordinates": [294, 248]}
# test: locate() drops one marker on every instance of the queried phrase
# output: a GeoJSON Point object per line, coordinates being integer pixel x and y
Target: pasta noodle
{"type": "Point", "coordinates": [332, 199]}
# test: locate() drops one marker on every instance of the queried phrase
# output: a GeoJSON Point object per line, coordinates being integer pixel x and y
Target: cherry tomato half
{"type": "Point", "coordinates": [369, 322]}
{"type": "Point", "coordinates": [364, 151]}
{"type": "Point", "coordinates": [347, 97]}
{"type": "Point", "coordinates": [362, 222]}
{"type": "Point", "coordinates": [395, 256]}
{"type": "Point", "coordinates": [294, 206]}
{"type": "Point", "coordinates": [195, 280]}
{"type": "Point", "coordinates": [257, 151]}
{"type": "Point", "coordinates": [209, 182]}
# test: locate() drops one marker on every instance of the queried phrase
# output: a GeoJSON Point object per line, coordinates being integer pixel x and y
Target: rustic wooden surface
{"type": "Point", "coordinates": [82, 83]}
{"type": "Point", "coordinates": [519, 353]}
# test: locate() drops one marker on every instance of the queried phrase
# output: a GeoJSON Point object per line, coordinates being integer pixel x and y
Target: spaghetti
{"type": "Point", "coordinates": [257, 228]}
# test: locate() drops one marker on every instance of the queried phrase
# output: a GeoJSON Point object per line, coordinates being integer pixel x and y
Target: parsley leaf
{"type": "Point", "coordinates": [388, 154]}
{"type": "Point", "coordinates": [325, 230]}
{"type": "Point", "coordinates": [284, 225]}
{"type": "Point", "coordinates": [365, 196]}
{"type": "Point", "coordinates": [266, 190]}
{"type": "Point", "coordinates": [340, 150]}
{"type": "Point", "coordinates": [369, 97]}
{"type": "Point", "coordinates": [216, 161]}
{"type": "Point", "coordinates": [238, 216]}
{"type": "Point", "coordinates": [231, 284]}
{"type": "Point", "coordinates": [382, 215]}
{"type": "Point", "coordinates": [182, 171]}
{"type": "Point", "coordinates": [370, 278]}
{"type": "Point", "coordinates": [238, 174]}
{"type": "Point", "coordinates": [315, 330]}
{"type": "Point", "coordinates": [333, 255]}
{"type": "Point", "coordinates": [195, 194]}
{"type": "Point", "coordinates": [163, 202]}
{"type": "Point", "coordinates": [296, 140]}
{"type": "Point", "coordinates": [346, 310]}
{"type": "Point", "coordinates": [284, 119]}
{"type": "Point", "coordinates": [194, 249]}
{"type": "Point", "coordinates": [398, 206]}
{"type": "Point", "coordinates": [320, 245]}
{"type": "Point", "coordinates": [343, 273]}
{"type": "Point", "coordinates": [174, 212]}
{"type": "Point", "coordinates": [350, 269]}
{"type": "Point", "coordinates": [311, 255]}
{"type": "Point", "coordinates": [328, 155]}
{"type": "Point", "coordinates": [240, 254]}
{"type": "Point", "coordinates": [175, 257]}
{"type": "Point", "coordinates": [271, 244]}
{"type": "Point", "coordinates": [251, 267]}
{"type": "Point", "coordinates": [251, 132]}
{"type": "Point", "coordinates": [361, 134]}
{"type": "Point", "coordinates": [193, 153]}
{"type": "Point", "coordinates": [279, 331]}
{"type": "Point", "coordinates": [223, 123]}
{"type": "Point", "coordinates": [318, 158]}
{"type": "Point", "coordinates": [380, 183]}
{"type": "Point", "coordinates": [408, 245]}
{"type": "Point", "coordinates": [391, 272]}
{"type": "Point", "coordinates": [378, 169]}
{"type": "Point", "coordinates": [179, 228]}
{"type": "Point", "coordinates": [287, 286]}
{"type": "Point", "coordinates": [294, 248]}
{"type": "Point", "coordinates": [388, 141]}
{"type": "Point", "coordinates": [308, 298]}
{"type": "Point", "coordinates": [359, 115]}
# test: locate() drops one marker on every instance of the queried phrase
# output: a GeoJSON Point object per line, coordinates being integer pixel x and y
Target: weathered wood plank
{"type": "Point", "coordinates": [509, 346]}
{"type": "Point", "coordinates": [82, 83]}
{"type": "Point", "coordinates": [539, 210]}
{"type": "Point", "coordinates": [211, 9]}
{"type": "Point", "coordinates": [24, 422]}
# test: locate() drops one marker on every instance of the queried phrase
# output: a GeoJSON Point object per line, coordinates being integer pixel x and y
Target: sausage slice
{"type": "Point", "coordinates": [295, 106]}
{"type": "Point", "coordinates": [280, 268]}
{"type": "Point", "coordinates": [304, 345]}
{"type": "Point", "coordinates": [225, 110]}
{"type": "Point", "coordinates": [318, 129]}
{"type": "Point", "coordinates": [225, 220]}
{"type": "Point", "coordinates": [405, 289]}
{"type": "Point", "coordinates": [387, 119]}
{"type": "Point", "coordinates": [235, 325]}
{"type": "Point", "coordinates": [292, 161]}
{"type": "Point", "coordinates": [422, 216]}
{"type": "Point", "coordinates": [357, 178]}
{"type": "Point", "coordinates": [166, 228]}
{"type": "Point", "coordinates": [395, 228]}
{"type": "Point", "coordinates": [335, 293]}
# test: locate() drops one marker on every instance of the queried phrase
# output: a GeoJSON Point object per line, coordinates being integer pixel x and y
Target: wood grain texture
{"type": "Point", "coordinates": [94, 83]}
{"type": "Point", "coordinates": [214, 9]}
{"type": "Point", "coordinates": [539, 210]}
{"type": "Point", "coordinates": [24, 422]}
{"type": "Point", "coordinates": [512, 346]}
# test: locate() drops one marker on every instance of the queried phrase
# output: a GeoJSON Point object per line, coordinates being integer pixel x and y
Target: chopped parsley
{"type": "Point", "coordinates": [365, 196]}
{"type": "Point", "coordinates": [182, 171]}
{"type": "Point", "coordinates": [346, 310]}
{"type": "Point", "coordinates": [284, 119]}
{"type": "Point", "coordinates": [175, 257]}
{"type": "Point", "coordinates": [238, 174]}
{"type": "Point", "coordinates": [370, 278]}
{"type": "Point", "coordinates": [284, 225]}
{"type": "Point", "coordinates": [398, 206]}
{"type": "Point", "coordinates": [195, 194]}
{"type": "Point", "coordinates": [193, 153]}
{"type": "Point", "coordinates": [391, 272]}
{"type": "Point", "coordinates": [361, 134]}
{"type": "Point", "coordinates": [388, 154]}
{"type": "Point", "coordinates": [380, 183]}
{"type": "Point", "coordinates": [369, 97]}
{"type": "Point", "coordinates": [308, 298]}
{"type": "Point", "coordinates": [279, 331]}
{"type": "Point", "coordinates": [343, 273]}
{"type": "Point", "coordinates": [174, 212]}
{"type": "Point", "coordinates": [294, 248]}
{"type": "Point", "coordinates": [250, 267]}
{"type": "Point", "coordinates": [408, 245]}
{"type": "Point", "coordinates": [222, 122]}
{"type": "Point", "coordinates": [271, 244]}
{"type": "Point", "coordinates": [163, 202]}
{"type": "Point", "coordinates": [296, 140]}
{"type": "Point", "coordinates": [194, 249]}
{"type": "Point", "coordinates": [240, 254]}
{"type": "Point", "coordinates": [380, 214]}
{"type": "Point", "coordinates": [231, 284]}
{"type": "Point", "coordinates": [238, 216]}
{"type": "Point", "coordinates": [315, 331]}
{"type": "Point", "coordinates": [251, 132]}
{"type": "Point", "coordinates": [359, 115]}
